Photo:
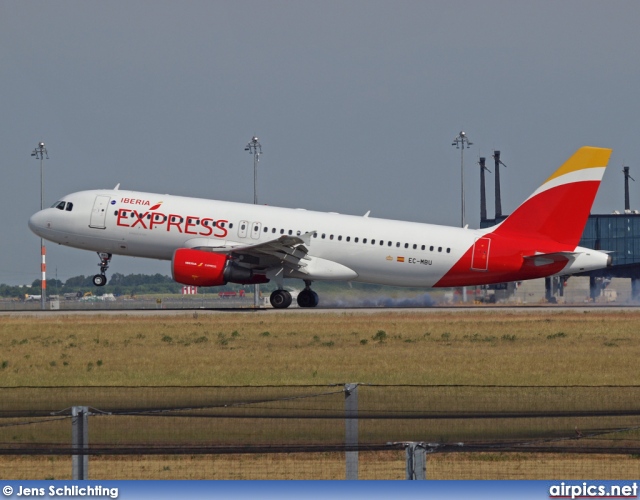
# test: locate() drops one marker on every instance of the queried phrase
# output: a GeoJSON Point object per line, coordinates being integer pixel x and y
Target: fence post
{"type": "Point", "coordinates": [416, 461]}
{"type": "Point", "coordinates": [351, 429]}
{"type": "Point", "coordinates": [80, 441]}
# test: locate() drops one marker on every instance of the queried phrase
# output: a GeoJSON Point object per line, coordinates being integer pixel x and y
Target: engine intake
{"type": "Point", "coordinates": [195, 267]}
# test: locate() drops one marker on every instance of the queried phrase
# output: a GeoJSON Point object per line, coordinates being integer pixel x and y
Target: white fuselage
{"type": "Point", "coordinates": [376, 250]}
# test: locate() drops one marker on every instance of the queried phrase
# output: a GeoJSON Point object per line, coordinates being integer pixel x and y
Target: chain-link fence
{"type": "Point", "coordinates": [320, 432]}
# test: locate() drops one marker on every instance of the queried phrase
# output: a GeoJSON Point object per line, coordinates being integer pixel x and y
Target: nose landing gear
{"type": "Point", "coordinates": [101, 279]}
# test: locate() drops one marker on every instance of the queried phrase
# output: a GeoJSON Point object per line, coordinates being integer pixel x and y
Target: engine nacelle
{"type": "Point", "coordinates": [195, 267]}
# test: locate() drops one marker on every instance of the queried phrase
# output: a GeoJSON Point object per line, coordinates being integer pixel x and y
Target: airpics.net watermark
{"type": "Point", "coordinates": [61, 491]}
{"type": "Point", "coordinates": [587, 490]}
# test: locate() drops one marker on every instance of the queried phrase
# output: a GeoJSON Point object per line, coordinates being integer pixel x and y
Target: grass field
{"type": "Point", "coordinates": [372, 465]}
{"type": "Point", "coordinates": [483, 347]}
{"type": "Point", "coordinates": [477, 347]}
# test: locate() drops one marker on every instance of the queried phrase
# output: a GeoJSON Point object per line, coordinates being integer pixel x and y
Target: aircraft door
{"type": "Point", "coordinates": [255, 230]}
{"type": "Point", "coordinates": [480, 258]}
{"type": "Point", "coordinates": [99, 212]}
{"type": "Point", "coordinates": [243, 227]}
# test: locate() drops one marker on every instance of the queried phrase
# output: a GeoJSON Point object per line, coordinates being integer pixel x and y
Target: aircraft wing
{"type": "Point", "coordinates": [288, 252]}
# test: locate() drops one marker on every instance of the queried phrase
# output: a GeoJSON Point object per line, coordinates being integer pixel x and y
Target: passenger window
{"type": "Point", "coordinates": [266, 229]}
{"type": "Point", "coordinates": [439, 249]}
{"type": "Point", "coordinates": [355, 240]}
{"type": "Point", "coordinates": [315, 235]}
{"type": "Point", "coordinates": [281, 231]}
{"type": "Point", "coordinates": [348, 238]}
{"type": "Point", "coordinates": [230, 225]}
{"type": "Point", "coordinates": [339, 238]}
{"type": "Point", "coordinates": [406, 245]}
{"type": "Point", "coordinates": [431, 248]}
{"type": "Point", "coordinates": [398, 244]}
{"type": "Point", "coordinates": [331, 237]}
{"type": "Point", "coordinates": [415, 246]}
{"type": "Point", "coordinates": [364, 240]}
{"type": "Point", "coordinates": [273, 230]}
{"type": "Point", "coordinates": [323, 236]}
{"type": "Point", "coordinates": [448, 250]}
{"type": "Point", "coordinates": [423, 247]}
{"type": "Point", "coordinates": [373, 242]}
{"type": "Point", "coordinates": [381, 242]}
{"type": "Point", "coordinates": [290, 232]}
{"type": "Point", "coordinates": [389, 244]}
{"type": "Point", "coordinates": [243, 227]}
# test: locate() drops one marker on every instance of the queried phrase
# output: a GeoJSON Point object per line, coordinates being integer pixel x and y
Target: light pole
{"type": "Point", "coordinates": [255, 148]}
{"type": "Point", "coordinates": [460, 142]}
{"type": "Point", "coordinates": [40, 153]}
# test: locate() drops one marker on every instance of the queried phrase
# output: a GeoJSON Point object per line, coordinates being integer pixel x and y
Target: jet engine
{"type": "Point", "coordinates": [196, 267]}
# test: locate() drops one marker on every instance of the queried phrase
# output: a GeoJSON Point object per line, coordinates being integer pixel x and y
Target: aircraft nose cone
{"type": "Point", "coordinates": [38, 222]}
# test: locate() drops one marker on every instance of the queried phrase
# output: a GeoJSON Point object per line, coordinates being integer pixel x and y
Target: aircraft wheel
{"type": "Point", "coordinates": [308, 298]}
{"type": "Point", "coordinates": [99, 280]}
{"type": "Point", "coordinates": [280, 299]}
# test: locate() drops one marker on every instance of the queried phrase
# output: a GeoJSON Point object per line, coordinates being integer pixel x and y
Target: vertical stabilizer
{"type": "Point", "coordinates": [558, 210]}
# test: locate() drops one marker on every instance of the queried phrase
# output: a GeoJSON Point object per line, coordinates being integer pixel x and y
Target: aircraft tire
{"type": "Point", "coordinates": [280, 299]}
{"type": "Point", "coordinates": [307, 298]}
{"type": "Point", "coordinates": [99, 280]}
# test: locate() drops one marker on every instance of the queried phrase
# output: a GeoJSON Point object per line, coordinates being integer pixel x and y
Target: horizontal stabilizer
{"type": "Point", "coordinates": [544, 259]}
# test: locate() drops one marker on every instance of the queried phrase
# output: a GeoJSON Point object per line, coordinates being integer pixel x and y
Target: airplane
{"type": "Point", "coordinates": [211, 243]}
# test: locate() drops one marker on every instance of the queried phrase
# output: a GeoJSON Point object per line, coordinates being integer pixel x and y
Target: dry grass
{"type": "Point", "coordinates": [599, 347]}
{"type": "Point", "coordinates": [372, 465]}
{"type": "Point", "coordinates": [485, 347]}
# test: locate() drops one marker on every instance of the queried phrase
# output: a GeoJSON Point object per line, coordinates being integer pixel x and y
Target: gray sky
{"type": "Point", "coordinates": [355, 103]}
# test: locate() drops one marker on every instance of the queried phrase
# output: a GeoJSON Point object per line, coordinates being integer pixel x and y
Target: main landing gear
{"type": "Point", "coordinates": [307, 297]}
{"type": "Point", "coordinates": [281, 299]}
{"type": "Point", "coordinates": [101, 279]}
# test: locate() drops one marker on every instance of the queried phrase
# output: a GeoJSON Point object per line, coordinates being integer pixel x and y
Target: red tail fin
{"type": "Point", "coordinates": [558, 210]}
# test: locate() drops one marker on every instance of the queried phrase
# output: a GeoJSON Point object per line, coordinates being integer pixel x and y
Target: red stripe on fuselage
{"type": "Point", "coordinates": [551, 221]}
{"type": "Point", "coordinates": [506, 263]}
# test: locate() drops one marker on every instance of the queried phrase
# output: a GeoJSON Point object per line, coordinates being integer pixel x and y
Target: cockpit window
{"type": "Point", "coordinates": [63, 205]}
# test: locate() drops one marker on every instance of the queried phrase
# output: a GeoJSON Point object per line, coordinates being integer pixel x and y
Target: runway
{"type": "Point", "coordinates": [531, 309]}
